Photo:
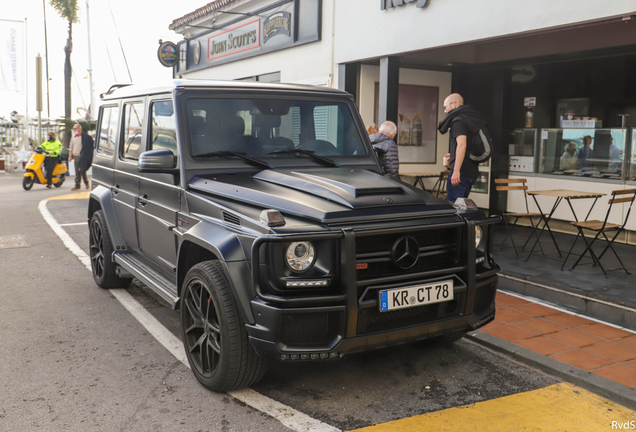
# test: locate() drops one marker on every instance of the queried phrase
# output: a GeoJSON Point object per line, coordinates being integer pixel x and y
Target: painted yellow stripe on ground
{"type": "Point", "coordinates": [561, 407]}
{"type": "Point", "coordinates": [76, 195]}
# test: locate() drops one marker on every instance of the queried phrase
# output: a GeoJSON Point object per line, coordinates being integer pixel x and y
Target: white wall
{"type": "Point", "coordinates": [365, 31]}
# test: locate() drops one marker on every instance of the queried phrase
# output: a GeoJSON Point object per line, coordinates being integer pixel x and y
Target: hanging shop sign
{"type": "Point", "coordinates": [167, 54]}
{"type": "Point", "coordinates": [387, 4]}
{"type": "Point", "coordinates": [277, 24]}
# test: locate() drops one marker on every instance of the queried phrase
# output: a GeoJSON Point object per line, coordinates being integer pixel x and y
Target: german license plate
{"type": "Point", "coordinates": [416, 295]}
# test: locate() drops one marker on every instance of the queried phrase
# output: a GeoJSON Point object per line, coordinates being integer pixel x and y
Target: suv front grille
{"type": "Point", "coordinates": [371, 320]}
{"type": "Point", "coordinates": [438, 249]}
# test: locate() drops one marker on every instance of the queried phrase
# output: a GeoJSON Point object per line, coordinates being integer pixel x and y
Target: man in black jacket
{"type": "Point", "coordinates": [81, 151]}
{"type": "Point", "coordinates": [461, 120]}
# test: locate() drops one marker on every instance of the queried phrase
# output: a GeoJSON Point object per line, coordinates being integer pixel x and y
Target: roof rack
{"type": "Point", "coordinates": [113, 88]}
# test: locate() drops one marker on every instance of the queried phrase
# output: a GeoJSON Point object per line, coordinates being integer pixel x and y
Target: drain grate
{"type": "Point", "coordinates": [13, 241]}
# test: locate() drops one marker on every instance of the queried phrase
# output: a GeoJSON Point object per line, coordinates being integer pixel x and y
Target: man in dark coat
{"type": "Point", "coordinates": [462, 120]}
{"type": "Point", "coordinates": [81, 151]}
{"type": "Point", "coordinates": [384, 141]}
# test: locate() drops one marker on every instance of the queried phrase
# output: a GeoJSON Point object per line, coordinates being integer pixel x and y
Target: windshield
{"type": "Point", "coordinates": [260, 127]}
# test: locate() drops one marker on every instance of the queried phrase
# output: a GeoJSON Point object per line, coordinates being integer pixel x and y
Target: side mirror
{"type": "Point", "coordinates": [158, 161]}
{"type": "Point", "coordinates": [380, 155]}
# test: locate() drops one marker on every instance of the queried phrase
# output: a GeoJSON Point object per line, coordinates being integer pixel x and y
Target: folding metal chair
{"type": "Point", "coordinates": [503, 185]}
{"type": "Point", "coordinates": [601, 228]}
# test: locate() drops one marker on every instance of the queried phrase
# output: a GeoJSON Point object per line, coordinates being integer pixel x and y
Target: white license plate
{"type": "Point", "coordinates": [416, 295]}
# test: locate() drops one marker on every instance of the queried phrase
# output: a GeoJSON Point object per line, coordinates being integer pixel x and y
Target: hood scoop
{"type": "Point", "coordinates": [353, 188]}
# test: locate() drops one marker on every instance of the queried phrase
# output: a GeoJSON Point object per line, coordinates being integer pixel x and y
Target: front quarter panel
{"type": "Point", "coordinates": [103, 198]}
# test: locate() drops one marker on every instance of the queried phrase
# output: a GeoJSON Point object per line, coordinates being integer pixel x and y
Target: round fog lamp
{"type": "Point", "coordinates": [300, 256]}
{"type": "Point", "coordinates": [479, 234]}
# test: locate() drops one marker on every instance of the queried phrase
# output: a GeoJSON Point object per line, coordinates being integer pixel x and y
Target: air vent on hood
{"type": "Point", "coordinates": [232, 219]}
{"type": "Point", "coordinates": [379, 191]}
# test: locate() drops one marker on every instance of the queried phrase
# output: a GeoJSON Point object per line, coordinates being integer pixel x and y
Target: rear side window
{"type": "Point", "coordinates": [162, 127]}
{"type": "Point", "coordinates": [132, 146]}
{"type": "Point", "coordinates": [108, 131]}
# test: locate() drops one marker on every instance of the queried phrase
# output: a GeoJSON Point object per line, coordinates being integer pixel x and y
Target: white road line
{"type": "Point", "coordinates": [291, 418]}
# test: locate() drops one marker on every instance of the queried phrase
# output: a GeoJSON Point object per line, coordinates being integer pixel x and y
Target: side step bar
{"type": "Point", "coordinates": [162, 286]}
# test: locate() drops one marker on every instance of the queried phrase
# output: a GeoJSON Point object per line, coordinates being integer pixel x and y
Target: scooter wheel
{"type": "Point", "coordinates": [60, 181]}
{"type": "Point", "coordinates": [27, 182]}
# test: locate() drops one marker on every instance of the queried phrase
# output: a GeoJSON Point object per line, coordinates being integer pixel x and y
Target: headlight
{"type": "Point", "coordinates": [479, 235]}
{"type": "Point", "coordinates": [300, 256]}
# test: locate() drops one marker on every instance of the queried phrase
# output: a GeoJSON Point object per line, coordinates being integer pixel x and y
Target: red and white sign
{"type": "Point", "coordinates": [235, 40]}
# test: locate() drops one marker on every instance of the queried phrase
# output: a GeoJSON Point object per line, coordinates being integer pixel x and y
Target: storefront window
{"type": "Point", "coordinates": [596, 153]}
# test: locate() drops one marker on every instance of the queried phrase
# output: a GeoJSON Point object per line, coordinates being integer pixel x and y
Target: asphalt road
{"type": "Point", "coordinates": [72, 358]}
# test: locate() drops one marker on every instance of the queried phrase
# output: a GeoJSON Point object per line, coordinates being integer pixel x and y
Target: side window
{"type": "Point", "coordinates": [133, 123]}
{"type": "Point", "coordinates": [162, 127]}
{"type": "Point", "coordinates": [108, 131]}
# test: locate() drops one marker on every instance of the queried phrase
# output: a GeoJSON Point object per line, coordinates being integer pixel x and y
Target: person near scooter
{"type": "Point", "coordinates": [52, 149]}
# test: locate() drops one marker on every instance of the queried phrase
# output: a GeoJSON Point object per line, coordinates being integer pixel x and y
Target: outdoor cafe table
{"type": "Point", "coordinates": [560, 195]}
{"type": "Point", "coordinates": [418, 178]}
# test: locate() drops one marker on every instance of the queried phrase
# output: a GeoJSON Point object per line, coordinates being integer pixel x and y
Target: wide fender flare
{"type": "Point", "coordinates": [229, 250]}
{"type": "Point", "coordinates": [104, 198]}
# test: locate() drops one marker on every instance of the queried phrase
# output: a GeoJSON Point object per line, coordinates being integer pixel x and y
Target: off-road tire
{"type": "Point", "coordinates": [101, 251]}
{"type": "Point", "coordinates": [27, 182]}
{"type": "Point", "coordinates": [446, 339]}
{"type": "Point", "coordinates": [214, 336]}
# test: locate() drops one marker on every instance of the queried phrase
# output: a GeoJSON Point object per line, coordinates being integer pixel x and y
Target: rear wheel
{"type": "Point", "coordinates": [214, 335]}
{"type": "Point", "coordinates": [27, 182]}
{"type": "Point", "coordinates": [101, 250]}
{"type": "Point", "coordinates": [60, 181]}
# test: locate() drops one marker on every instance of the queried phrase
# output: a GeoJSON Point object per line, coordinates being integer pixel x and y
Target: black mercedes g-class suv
{"type": "Point", "coordinates": [260, 211]}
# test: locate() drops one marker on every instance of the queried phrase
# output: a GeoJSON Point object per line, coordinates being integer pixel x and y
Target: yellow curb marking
{"type": "Point", "coordinates": [560, 407]}
{"type": "Point", "coordinates": [75, 195]}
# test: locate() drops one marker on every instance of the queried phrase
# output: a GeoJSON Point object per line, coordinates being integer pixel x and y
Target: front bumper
{"type": "Point", "coordinates": [323, 328]}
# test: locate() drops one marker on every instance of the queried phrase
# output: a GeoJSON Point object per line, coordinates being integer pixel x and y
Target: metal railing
{"type": "Point", "coordinates": [19, 137]}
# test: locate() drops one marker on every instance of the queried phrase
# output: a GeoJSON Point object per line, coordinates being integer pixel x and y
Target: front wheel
{"type": "Point", "coordinates": [214, 335]}
{"type": "Point", "coordinates": [446, 339]}
{"type": "Point", "coordinates": [101, 251]}
{"type": "Point", "coordinates": [27, 182]}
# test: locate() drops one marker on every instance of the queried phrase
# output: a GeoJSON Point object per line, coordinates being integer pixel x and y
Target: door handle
{"type": "Point", "coordinates": [143, 200]}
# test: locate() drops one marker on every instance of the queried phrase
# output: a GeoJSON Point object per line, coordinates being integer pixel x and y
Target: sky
{"type": "Point", "coordinates": [140, 25]}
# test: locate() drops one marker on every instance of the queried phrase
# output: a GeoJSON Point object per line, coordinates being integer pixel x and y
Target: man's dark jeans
{"type": "Point", "coordinates": [462, 190]}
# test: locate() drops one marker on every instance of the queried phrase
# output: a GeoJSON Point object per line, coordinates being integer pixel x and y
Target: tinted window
{"type": "Point", "coordinates": [259, 127]}
{"type": "Point", "coordinates": [108, 131]}
{"type": "Point", "coordinates": [162, 127]}
{"type": "Point", "coordinates": [133, 122]}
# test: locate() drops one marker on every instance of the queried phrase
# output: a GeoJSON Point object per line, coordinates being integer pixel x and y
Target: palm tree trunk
{"type": "Point", "coordinates": [68, 49]}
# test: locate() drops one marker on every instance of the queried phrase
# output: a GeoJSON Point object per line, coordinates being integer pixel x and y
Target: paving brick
{"type": "Point", "coordinates": [543, 345]}
{"type": "Point", "coordinates": [509, 315]}
{"type": "Point", "coordinates": [509, 333]}
{"type": "Point", "coordinates": [511, 301]}
{"type": "Point", "coordinates": [575, 338]}
{"type": "Point", "coordinates": [568, 320]}
{"type": "Point", "coordinates": [540, 326]}
{"type": "Point", "coordinates": [605, 331]}
{"type": "Point", "coordinates": [494, 323]}
{"type": "Point", "coordinates": [582, 359]}
{"type": "Point", "coordinates": [537, 310]}
{"type": "Point", "coordinates": [613, 351]}
{"type": "Point", "coordinates": [629, 341]}
{"type": "Point", "coordinates": [620, 373]}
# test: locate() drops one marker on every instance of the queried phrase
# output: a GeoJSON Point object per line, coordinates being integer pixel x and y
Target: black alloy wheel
{"type": "Point", "coordinates": [101, 250]}
{"type": "Point", "coordinates": [27, 182]}
{"type": "Point", "coordinates": [214, 335]}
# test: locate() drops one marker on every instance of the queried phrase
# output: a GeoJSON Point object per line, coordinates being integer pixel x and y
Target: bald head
{"type": "Point", "coordinates": [453, 101]}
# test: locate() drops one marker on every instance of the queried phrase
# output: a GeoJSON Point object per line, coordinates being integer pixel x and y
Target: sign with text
{"type": "Point", "coordinates": [235, 40]}
{"type": "Point", "coordinates": [386, 4]}
{"type": "Point", "coordinates": [277, 24]}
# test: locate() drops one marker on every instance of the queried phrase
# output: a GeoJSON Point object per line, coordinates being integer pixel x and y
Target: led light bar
{"type": "Point", "coordinates": [307, 283]}
{"type": "Point", "coordinates": [307, 356]}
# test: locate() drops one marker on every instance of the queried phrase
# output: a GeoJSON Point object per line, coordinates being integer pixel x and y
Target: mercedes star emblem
{"type": "Point", "coordinates": [405, 252]}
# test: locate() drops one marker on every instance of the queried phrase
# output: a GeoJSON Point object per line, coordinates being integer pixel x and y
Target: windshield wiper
{"type": "Point", "coordinates": [308, 153]}
{"type": "Point", "coordinates": [242, 155]}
